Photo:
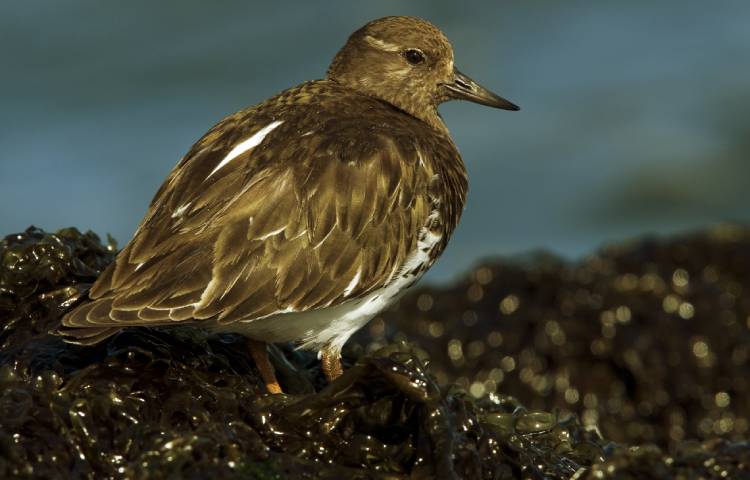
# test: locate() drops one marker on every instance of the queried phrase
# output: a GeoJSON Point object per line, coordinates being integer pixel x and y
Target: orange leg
{"type": "Point", "coordinates": [265, 368]}
{"type": "Point", "coordinates": [331, 363]}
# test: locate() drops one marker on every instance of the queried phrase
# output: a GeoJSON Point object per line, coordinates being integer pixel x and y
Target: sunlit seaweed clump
{"type": "Point", "coordinates": [179, 403]}
{"type": "Point", "coordinates": [649, 340]}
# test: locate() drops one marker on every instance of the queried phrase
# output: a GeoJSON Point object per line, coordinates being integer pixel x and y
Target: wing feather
{"type": "Point", "coordinates": [292, 228]}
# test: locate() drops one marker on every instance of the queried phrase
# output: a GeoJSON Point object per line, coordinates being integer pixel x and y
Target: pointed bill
{"type": "Point", "coordinates": [464, 88]}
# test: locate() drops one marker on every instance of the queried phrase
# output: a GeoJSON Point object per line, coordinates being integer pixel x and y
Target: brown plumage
{"type": "Point", "coordinates": [301, 217]}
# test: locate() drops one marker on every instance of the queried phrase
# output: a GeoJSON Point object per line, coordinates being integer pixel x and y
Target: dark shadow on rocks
{"type": "Point", "coordinates": [178, 403]}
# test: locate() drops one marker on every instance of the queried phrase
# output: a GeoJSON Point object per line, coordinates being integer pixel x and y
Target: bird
{"type": "Point", "coordinates": [300, 218]}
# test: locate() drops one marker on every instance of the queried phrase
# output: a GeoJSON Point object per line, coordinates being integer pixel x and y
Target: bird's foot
{"type": "Point", "coordinates": [330, 360]}
{"type": "Point", "coordinates": [260, 355]}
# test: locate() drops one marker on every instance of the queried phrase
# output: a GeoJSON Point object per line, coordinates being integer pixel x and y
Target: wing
{"type": "Point", "coordinates": [287, 225]}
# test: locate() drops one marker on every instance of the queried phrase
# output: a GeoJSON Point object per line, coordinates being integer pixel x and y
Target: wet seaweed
{"type": "Point", "coordinates": [179, 403]}
{"type": "Point", "coordinates": [649, 340]}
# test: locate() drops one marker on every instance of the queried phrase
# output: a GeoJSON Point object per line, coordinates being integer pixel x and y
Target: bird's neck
{"type": "Point", "coordinates": [432, 118]}
{"type": "Point", "coordinates": [430, 115]}
{"type": "Point", "coordinates": [414, 107]}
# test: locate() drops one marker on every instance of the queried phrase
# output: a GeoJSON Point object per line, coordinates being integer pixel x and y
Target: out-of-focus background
{"type": "Point", "coordinates": [634, 114]}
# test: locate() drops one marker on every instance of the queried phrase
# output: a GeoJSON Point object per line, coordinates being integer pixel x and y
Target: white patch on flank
{"type": "Point", "coordinates": [355, 280]}
{"type": "Point", "coordinates": [421, 160]}
{"type": "Point", "coordinates": [425, 244]}
{"type": "Point", "coordinates": [243, 147]}
{"type": "Point", "coordinates": [179, 211]}
{"type": "Point", "coordinates": [345, 319]}
{"type": "Point", "coordinates": [308, 133]}
{"type": "Point", "coordinates": [331, 327]}
{"type": "Point", "coordinates": [138, 267]}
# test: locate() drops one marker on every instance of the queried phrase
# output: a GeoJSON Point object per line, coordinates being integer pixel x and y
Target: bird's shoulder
{"type": "Point", "coordinates": [327, 206]}
{"type": "Point", "coordinates": [325, 111]}
{"type": "Point", "coordinates": [301, 130]}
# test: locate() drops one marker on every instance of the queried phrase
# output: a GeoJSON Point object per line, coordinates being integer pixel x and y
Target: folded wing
{"type": "Point", "coordinates": [282, 227]}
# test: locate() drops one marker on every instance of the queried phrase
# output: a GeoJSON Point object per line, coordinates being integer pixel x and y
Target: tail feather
{"type": "Point", "coordinates": [88, 323]}
{"type": "Point", "coordinates": [86, 336]}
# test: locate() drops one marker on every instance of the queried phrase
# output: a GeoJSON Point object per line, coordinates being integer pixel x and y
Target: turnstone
{"type": "Point", "coordinates": [302, 217]}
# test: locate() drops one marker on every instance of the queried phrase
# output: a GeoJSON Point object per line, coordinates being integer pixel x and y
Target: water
{"type": "Point", "coordinates": [633, 114]}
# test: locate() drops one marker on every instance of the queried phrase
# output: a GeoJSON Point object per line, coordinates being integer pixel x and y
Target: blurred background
{"type": "Point", "coordinates": [634, 114]}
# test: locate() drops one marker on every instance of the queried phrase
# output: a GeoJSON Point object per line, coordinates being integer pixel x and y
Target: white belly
{"type": "Point", "coordinates": [332, 326]}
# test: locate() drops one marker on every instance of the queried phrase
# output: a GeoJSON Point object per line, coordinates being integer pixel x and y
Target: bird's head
{"type": "Point", "coordinates": [407, 62]}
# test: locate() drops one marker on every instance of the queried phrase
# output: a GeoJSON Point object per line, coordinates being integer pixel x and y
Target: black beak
{"type": "Point", "coordinates": [464, 88]}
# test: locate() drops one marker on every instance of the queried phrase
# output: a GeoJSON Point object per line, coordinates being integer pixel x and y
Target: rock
{"type": "Point", "coordinates": [649, 340]}
{"type": "Point", "coordinates": [176, 402]}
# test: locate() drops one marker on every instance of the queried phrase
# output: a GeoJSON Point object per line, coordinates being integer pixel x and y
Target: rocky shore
{"type": "Point", "coordinates": [633, 363]}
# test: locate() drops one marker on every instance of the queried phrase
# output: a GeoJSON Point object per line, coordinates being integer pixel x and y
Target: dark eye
{"type": "Point", "coordinates": [414, 56]}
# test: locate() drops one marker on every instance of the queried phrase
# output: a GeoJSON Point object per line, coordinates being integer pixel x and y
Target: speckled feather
{"type": "Point", "coordinates": [301, 218]}
{"type": "Point", "coordinates": [342, 186]}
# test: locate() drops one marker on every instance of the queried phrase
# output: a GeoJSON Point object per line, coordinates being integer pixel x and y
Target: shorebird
{"type": "Point", "coordinates": [302, 217]}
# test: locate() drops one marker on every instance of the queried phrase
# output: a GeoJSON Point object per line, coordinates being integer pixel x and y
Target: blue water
{"type": "Point", "coordinates": [634, 115]}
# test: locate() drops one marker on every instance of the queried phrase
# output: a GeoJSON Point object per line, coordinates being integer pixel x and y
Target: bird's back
{"type": "Point", "coordinates": [313, 198]}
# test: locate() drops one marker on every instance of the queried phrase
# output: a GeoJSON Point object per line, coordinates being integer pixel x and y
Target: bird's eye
{"type": "Point", "coordinates": [414, 56]}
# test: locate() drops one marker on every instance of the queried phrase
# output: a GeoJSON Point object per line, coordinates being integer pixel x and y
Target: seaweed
{"type": "Point", "coordinates": [649, 340]}
{"type": "Point", "coordinates": [181, 403]}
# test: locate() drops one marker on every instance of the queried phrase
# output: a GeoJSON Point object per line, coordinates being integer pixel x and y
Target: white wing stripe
{"type": "Point", "coordinates": [243, 147]}
{"type": "Point", "coordinates": [353, 283]}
